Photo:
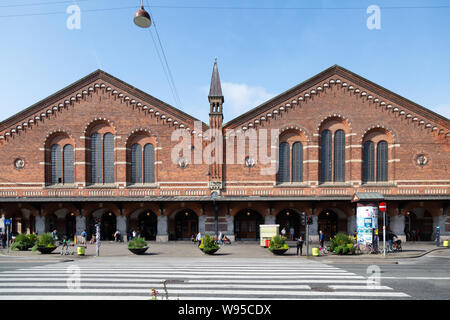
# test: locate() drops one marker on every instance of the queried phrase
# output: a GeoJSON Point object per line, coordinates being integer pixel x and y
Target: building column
{"type": "Point", "coordinates": [397, 226]}
{"type": "Point", "coordinates": [230, 227]}
{"type": "Point", "coordinates": [162, 228]}
{"type": "Point", "coordinates": [269, 219]}
{"type": "Point", "coordinates": [314, 229]}
{"type": "Point", "coordinates": [80, 224]}
{"type": "Point", "coordinates": [351, 225]}
{"type": "Point", "coordinates": [202, 224]}
{"type": "Point", "coordinates": [121, 225]}
{"type": "Point", "coordinates": [40, 224]}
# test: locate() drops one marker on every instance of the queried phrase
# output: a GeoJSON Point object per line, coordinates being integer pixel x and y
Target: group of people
{"type": "Point", "coordinates": [291, 232]}
{"type": "Point", "coordinates": [220, 240]}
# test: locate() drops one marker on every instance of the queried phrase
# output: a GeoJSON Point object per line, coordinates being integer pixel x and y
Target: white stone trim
{"type": "Point", "coordinates": [394, 160]}
{"type": "Point", "coordinates": [311, 161]}
{"type": "Point", "coordinates": [353, 160]}
{"type": "Point", "coordinates": [121, 162]}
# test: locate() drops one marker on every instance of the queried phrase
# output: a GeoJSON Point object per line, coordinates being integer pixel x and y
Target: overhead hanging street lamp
{"type": "Point", "coordinates": [142, 18]}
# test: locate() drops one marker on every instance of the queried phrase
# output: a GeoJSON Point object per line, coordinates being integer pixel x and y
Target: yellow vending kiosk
{"type": "Point", "coordinates": [266, 232]}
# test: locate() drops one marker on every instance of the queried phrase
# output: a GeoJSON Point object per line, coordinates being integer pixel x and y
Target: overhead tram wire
{"type": "Point", "coordinates": [164, 64]}
{"type": "Point", "coordinates": [220, 8]}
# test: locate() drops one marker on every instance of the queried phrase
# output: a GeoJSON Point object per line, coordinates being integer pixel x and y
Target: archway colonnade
{"type": "Point", "coordinates": [164, 221]}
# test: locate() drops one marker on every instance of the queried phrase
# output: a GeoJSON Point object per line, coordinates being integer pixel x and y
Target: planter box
{"type": "Point", "coordinates": [279, 251]}
{"type": "Point", "coordinates": [46, 250]}
{"type": "Point", "coordinates": [210, 251]}
{"type": "Point", "coordinates": [138, 250]}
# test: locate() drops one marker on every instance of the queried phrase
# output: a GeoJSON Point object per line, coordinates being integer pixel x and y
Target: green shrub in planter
{"type": "Point", "coordinates": [342, 244]}
{"type": "Point", "coordinates": [137, 243]}
{"type": "Point", "coordinates": [278, 243]}
{"type": "Point", "coordinates": [45, 240]}
{"type": "Point", "coordinates": [208, 245]}
{"type": "Point", "coordinates": [23, 242]}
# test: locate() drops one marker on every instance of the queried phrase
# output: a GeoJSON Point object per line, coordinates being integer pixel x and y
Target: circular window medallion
{"type": "Point", "coordinates": [19, 163]}
{"type": "Point", "coordinates": [182, 162]}
{"type": "Point", "coordinates": [421, 159]}
{"type": "Point", "coordinates": [249, 162]}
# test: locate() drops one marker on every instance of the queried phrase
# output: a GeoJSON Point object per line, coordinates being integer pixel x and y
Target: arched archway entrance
{"type": "Point", "coordinates": [70, 225]}
{"type": "Point", "coordinates": [246, 224]}
{"type": "Point", "coordinates": [186, 224]}
{"type": "Point", "coordinates": [328, 223]}
{"type": "Point", "coordinates": [147, 225]}
{"type": "Point", "coordinates": [292, 221]}
{"type": "Point", "coordinates": [418, 225]}
{"type": "Point", "coordinates": [50, 222]}
{"type": "Point", "coordinates": [107, 226]}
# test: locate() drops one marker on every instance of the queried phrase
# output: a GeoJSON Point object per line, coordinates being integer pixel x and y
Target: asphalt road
{"type": "Point", "coordinates": [424, 278]}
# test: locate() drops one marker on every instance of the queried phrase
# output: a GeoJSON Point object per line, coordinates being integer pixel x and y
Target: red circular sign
{"type": "Point", "coordinates": [382, 206]}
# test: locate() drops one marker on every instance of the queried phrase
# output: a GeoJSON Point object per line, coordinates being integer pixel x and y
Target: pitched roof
{"type": "Point", "coordinates": [76, 86]}
{"type": "Point", "coordinates": [337, 70]}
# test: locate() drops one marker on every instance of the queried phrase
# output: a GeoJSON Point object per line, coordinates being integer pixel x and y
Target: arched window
{"type": "Point", "coordinates": [297, 162]}
{"type": "Point", "coordinates": [108, 158]}
{"type": "Point", "coordinates": [149, 163]}
{"type": "Point", "coordinates": [68, 164]}
{"type": "Point", "coordinates": [382, 161]}
{"type": "Point", "coordinates": [56, 164]}
{"type": "Point", "coordinates": [368, 162]}
{"type": "Point", "coordinates": [325, 156]}
{"type": "Point", "coordinates": [102, 158]}
{"type": "Point", "coordinates": [284, 173]}
{"type": "Point", "coordinates": [339, 155]}
{"type": "Point", "coordinates": [96, 158]}
{"type": "Point", "coordinates": [62, 166]}
{"type": "Point", "coordinates": [136, 163]}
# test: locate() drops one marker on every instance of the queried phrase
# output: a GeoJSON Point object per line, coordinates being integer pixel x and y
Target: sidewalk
{"type": "Point", "coordinates": [240, 249]}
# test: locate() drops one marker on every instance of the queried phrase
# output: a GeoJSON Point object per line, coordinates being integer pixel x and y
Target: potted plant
{"type": "Point", "coordinates": [278, 245]}
{"type": "Point", "coordinates": [342, 244]}
{"type": "Point", "coordinates": [138, 245]}
{"type": "Point", "coordinates": [23, 242]}
{"type": "Point", "coordinates": [208, 245]}
{"type": "Point", "coordinates": [45, 243]}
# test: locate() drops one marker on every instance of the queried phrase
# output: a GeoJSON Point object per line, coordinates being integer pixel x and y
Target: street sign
{"type": "Point", "coordinates": [382, 206]}
{"type": "Point", "coordinates": [7, 222]}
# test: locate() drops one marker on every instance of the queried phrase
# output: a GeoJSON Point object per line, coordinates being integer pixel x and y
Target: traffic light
{"type": "Point", "coordinates": [309, 220]}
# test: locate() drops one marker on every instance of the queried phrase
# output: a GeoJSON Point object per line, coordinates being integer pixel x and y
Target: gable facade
{"type": "Point", "coordinates": [102, 149]}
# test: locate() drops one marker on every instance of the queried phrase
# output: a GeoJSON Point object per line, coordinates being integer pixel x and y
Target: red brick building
{"type": "Point", "coordinates": [102, 149]}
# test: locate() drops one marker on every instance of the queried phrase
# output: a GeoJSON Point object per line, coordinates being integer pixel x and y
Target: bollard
{"type": "Point", "coordinates": [80, 251]}
{"type": "Point", "coordinates": [315, 251]}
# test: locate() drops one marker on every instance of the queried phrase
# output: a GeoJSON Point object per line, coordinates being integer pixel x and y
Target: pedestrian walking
{"type": "Point", "coordinates": [321, 238]}
{"type": "Point", "coordinates": [283, 231]}
{"type": "Point", "coordinates": [291, 233]}
{"type": "Point", "coordinates": [3, 240]}
{"type": "Point", "coordinates": [300, 245]}
{"type": "Point", "coordinates": [117, 236]}
{"type": "Point", "coordinates": [198, 239]}
{"type": "Point", "coordinates": [83, 237]}
{"type": "Point", "coordinates": [391, 237]}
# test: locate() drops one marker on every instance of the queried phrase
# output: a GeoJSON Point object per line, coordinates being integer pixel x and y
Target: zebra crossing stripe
{"type": "Point", "coordinates": [270, 293]}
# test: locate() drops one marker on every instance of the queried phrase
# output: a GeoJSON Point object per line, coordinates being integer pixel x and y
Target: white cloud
{"type": "Point", "coordinates": [240, 97]}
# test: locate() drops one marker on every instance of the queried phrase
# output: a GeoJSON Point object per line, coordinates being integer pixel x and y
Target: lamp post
{"type": "Point", "coordinates": [142, 18]}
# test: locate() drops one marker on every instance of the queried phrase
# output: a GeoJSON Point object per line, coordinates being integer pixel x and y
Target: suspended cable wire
{"type": "Point", "coordinates": [169, 74]}
{"type": "Point", "coordinates": [225, 8]}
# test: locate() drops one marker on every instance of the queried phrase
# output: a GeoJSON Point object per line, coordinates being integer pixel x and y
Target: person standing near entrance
{"type": "Point", "coordinates": [321, 238]}
{"type": "Point", "coordinates": [283, 232]}
{"type": "Point", "coordinates": [300, 245]}
{"type": "Point", "coordinates": [291, 232]}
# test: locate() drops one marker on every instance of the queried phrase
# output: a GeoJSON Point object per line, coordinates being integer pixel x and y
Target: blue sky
{"type": "Point", "coordinates": [261, 52]}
